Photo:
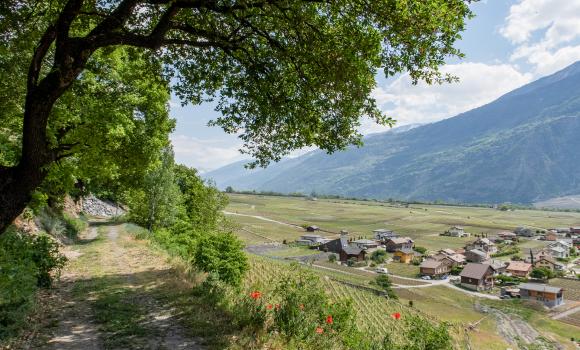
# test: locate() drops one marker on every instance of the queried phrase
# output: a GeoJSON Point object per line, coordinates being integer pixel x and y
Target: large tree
{"type": "Point", "coordinates": [286, 74]}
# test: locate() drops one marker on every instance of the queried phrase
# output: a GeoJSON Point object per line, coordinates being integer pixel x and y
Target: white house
{"type": "Point", "coordinates": [559, 252]}
{"type": "Point", "coordinates": [310, 239]}
{"type": "Point", "coordinates": [457, 231]}
{"type": "Point", "coordinates": [383, 234]}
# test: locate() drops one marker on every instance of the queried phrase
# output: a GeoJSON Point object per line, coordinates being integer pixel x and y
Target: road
{"type": "Point", "coordinates": [262, 218]}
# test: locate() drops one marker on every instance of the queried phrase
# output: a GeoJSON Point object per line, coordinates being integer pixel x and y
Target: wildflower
{"type": "Point", "coordinates": [269, 306]}
{"type": "Point", "coordinates": [255, 295]}
{"type": "Point", "coordinates": [319, 330]}
{"type": "Point", "coordinates": [396, 315]}
{"type": "Point", "coordinates": [301, 306]}
{"type": "Point", "coordinates": [329, 319]}
{"type": "Point", "coordinates": [277, 306]}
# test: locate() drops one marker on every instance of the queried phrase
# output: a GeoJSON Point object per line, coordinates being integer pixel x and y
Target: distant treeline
{"type": "Point", "coordinates": [391, 201]}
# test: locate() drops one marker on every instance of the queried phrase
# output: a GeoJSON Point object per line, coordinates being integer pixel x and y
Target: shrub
{"type": "Point", "coordinates": [26, 262]}
{"type": "Point", "coordinates": [222, 254]}
{"type": "Point", "coordinates": [421, 250]}
{"type": "Point", "coordinates": [51, 223]}
{"type": "Point", "coordinates": [332, 258]}
{"type": "Point", "coordinates": [379, 256]}
{"type": "Point", "coordinates": [73, 226]}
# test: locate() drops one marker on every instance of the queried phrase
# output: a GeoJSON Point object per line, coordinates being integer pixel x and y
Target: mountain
{"type": "Point", "coordinates": [523, 147]}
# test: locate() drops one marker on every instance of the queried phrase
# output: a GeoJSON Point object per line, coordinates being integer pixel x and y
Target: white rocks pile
{"type": "Point", "coordinates": [91, 205]}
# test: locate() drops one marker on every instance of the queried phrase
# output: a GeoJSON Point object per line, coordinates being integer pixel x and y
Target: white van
{"type": "Point", "coordinates": [382, 270]}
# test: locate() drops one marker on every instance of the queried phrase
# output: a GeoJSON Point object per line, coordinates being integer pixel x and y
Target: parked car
{"type": "Point", "coordinates": [382, 270]}
{"type": "Point", "coordinates": [426, 278]}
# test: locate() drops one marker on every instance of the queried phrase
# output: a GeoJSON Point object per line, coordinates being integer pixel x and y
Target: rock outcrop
{"type": "Point", "coordinates": [94, 206]}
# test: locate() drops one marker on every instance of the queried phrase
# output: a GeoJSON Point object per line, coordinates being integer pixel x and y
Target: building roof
{"type": "Point", "coordinates": [382, 230]}
{"type": "Point", "coordinates": [405, 250]}
{"type": "Point", "coordinates": [519, 266]}
{"type": "Point", "coordinates": [485, 241]}
{"type": "Point", "coordinates": [457, 227]}
{"type": "Point", "coordinates": [506, 233]}
{"type": "Point", "coordinates": [478, 252]}
{"type": "Point", "coordinates": [431, 264]}
{"type": "Point", "coordinates": [350, 250]}
{"type": "Point", "coordinates": [401, 240]}
{"type": "Point", "coordinates": [558, 249]}
{"type": "Point", "coordinates": [497, 264]}
{"type": "Point", "coordinates": [447, 251]}
{"type": "Point", "coordinates": [550, 260]}
{"type": "Point", "coordinates": [364, 241]}
{"type": "Point", "coordinates": [538, 287]}
{"type": "Point", "coordinates": [473, 270]}
{"type": "Point", "coordinates": [459, 258]}
{"type": "Point", "coordinates": [311, 236]}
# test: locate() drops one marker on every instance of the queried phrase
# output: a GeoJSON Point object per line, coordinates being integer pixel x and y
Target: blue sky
{"type": "Point", "coordinates": [507, 44]}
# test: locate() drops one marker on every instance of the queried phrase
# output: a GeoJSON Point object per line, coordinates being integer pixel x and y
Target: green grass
{"type": "Point", "coordinates": [292, 252]}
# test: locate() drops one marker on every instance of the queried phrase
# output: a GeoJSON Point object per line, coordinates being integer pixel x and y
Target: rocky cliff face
{"type": "Point", "coordinates": [94, 206]}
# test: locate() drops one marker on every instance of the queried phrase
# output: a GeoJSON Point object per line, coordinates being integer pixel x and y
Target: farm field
{"type": "Point", "coordinates": [423, 223]}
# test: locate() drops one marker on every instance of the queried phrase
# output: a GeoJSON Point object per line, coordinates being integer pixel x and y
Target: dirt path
{"type": "Point", "coordinates": [111, 297]}
{"type": "Point", "coordinates": [263, 218]}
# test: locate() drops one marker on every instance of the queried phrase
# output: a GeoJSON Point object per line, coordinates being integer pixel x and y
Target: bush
{"type": "Point", "coordinates": [74, 226]}
{"type": "Point", "coordinates": [421, 250]}
{"type": "Point", "coordinates": [51, 223]}
{"type": "Point", "coordinates": [542, 273]}
{"type": "Point", "coordinates": [332, 258]}
{"type": "Point", "coordinates": [379, 256]}
{"type": "Point", "coordinates": [26, 263]}
{"type": "Point", "coordinates": [222, 254]}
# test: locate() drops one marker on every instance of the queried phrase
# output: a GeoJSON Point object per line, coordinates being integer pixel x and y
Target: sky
{"type": "Point", "coordinates": [509, 43]}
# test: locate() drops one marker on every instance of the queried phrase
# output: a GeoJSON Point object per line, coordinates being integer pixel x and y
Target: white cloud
{"type": "Point", "coordinates": [479, 84]}
{"type": "Point", "coordinates": [546, 33]}
{"type": "Point", "coordinates": [204, 155]}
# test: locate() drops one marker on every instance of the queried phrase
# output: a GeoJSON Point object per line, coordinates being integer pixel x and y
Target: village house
{"type": "Point", "coordinates": [559, 252]}
{"type": "Point", "coordinates": [447, 251]}
{"type": "Point", "coordinates": [566, 244]}
{"type": "Point", "coordinates": [350, 252]}
{"type": "Point", "coordinates": [383, 234]}
{"type": "Point", "coordinates": [435, 268]}
{"type": "Point", "coordinates": [477, 276]}
{"type": "Point", "coordinates": [310, 239]}
{"type": "Point", "coordinates": [549, 263]}
{"type": "Point", "coordinates": [336, 245]}
{"type": "Point", "coordinates": [519, 269]}
{"type": "Point", "coordinates": [455, 258]}
{"type": "Point", "coordinates": [551, 236]}
{"type": "Point", "coordinates": [457, 231]}
{"type": "Point", "coordinates": [573, 230]}
{"type": "Point", "coordinates": [499, 267]}
{"type": "Point", "coordinates": [483, 244]}
{"type": "Point", "coordinates": [405, 255]}
{"type": "Point", "coordinates": [393, 244]}
{"type": "Point", "coordinates": [507, 235]}
{"type": "Point", "coordinates": [536, 255]}
{"type": "Point", "coordinates": [476, 256]}
{"type": "Point", "coordinates": [365, 243]}
{"type": "Point", "coordinates": [549, 295]}
{"type": "Point", "coordinates": [524, 231]}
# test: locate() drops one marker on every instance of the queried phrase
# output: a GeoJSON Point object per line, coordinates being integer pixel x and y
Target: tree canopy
{"type": "Point", "coordinates": [284, 74]}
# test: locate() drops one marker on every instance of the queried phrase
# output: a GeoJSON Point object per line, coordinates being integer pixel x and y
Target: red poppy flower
{"type": "Point", "coordinates": [329, 319]}
{"type": "Point", "coordinates": [319, 330]}
{"type": "Point", "coordinates": [396, 315]}
{"type": "Point", "coordinates": [255, 295]}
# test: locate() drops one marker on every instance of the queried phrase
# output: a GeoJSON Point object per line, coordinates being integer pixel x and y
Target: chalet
{"type": "Point", "coordinates": [383, 234]}
{"type": "Point", "coordinates": [405, 255]}
{"type": "Point", "coordinates": [477, 276]}
{"type": "Point", "coordinates": [524, 231]}
{"type": "Point", "coordinates": [393, 244]}
{"type": "Point", "coordinates": [458, 259]}
{"type": "Point", "coordinates": [566, 244]}
{"type": "Point", "coordinates": [350, 252]}
{"type": "Point", "coordinates": [435, 268]}
{"type": "Point", "coordinates": [549, 263]}
{"type": "Point", "coordinates": [507, 235]}
{"type": "Point", "coordinates": [336, 245]}
{"type": "Point", "coordinates": [574, 230]}
{"type": "Point", "coordinates": [365, 243]}
{"type": "Point", "coordinates": [549, 295]}
{"type": "Point", "coordinates": [312, 228]}
{"type": "Point", "coordinates": [483, 244]}
{"type": "Point", "coordinates": [310, 239]}
{"type": "Point", "coordinates": [551, 236]}
{"type": "Point", "coordinates": [499, 267]}
{"type": "Point", "coordinates": [457, 231]}
{"type": "Point", "coordinates": [476, 256]}
{"type": "Point", "coordinates": [558, 252]}
{"type": "Point", "coordinates": [519, 269]}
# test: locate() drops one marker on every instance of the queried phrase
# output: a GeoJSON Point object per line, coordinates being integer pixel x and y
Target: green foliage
{"type": "Point", "coordinates": [379, 256]}
{"type": "Point", "coordinates": [221, 254]}
{"type": "Point", "coordinates": [456, 270]}
{"type": "Point", "coordinates": [421, 335]}
{"type": "Point", "coordinates": [26, 262]}
{"type": "Point", "coordinates": [421, 250]}
{"type": "Point", "coordinates": [385, 283]}
{"type": "Point", "coordinates": [542, 273]}
{"type": "Point", "coordinates": [332, 258]}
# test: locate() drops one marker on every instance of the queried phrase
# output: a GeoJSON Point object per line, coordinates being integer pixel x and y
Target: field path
{"type": "Point", "coordinates": [263, 218]}
{"type": "Point", "coordinates": [566, 313]}
{"type": "Point", "coordinates": [111, 297]}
